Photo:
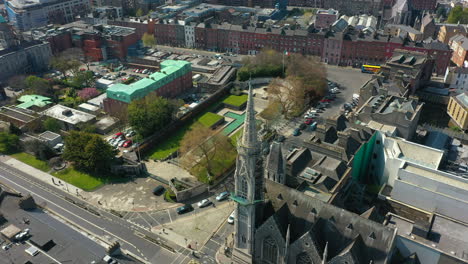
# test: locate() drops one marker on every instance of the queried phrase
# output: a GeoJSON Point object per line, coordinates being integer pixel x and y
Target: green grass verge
{"type": "Point", "coordinates": [32, 161]}
{"type": "Point", "coordinates": [79, 179]}
{"type": "Point", "coordinates": [209, 119]}
{"type": "Point", "coordinates": [236, 137]}
{"type": "Point", "coordinates": [236, 100]}
{"type": "Point", "coordinates": [220, 166]}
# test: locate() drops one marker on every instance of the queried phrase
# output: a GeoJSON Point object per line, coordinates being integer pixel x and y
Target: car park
{"type": "Point", "coordinates": [231, 217]}
{"type": "Point", "coordinates": [302, 126]}
{"type": "Point", "coordinates": [204, 203]}
{"type": "Point", "coordinates": [184, 209]}
{"type": "Point", "coordinates": [159, 190]}
{"type": "Point", "coordinates": [130, 133]}
{"type": "Point", "coordinates": [222, 196]}
{"type": "Point", "coordinates": [121, 143]}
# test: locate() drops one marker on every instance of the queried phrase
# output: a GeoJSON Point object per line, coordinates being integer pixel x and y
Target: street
{"type": "Point", "coordinates": [106, 227]}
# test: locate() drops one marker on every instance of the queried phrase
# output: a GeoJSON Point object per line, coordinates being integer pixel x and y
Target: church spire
{"type": "Point", "coordinates": [249, 138]}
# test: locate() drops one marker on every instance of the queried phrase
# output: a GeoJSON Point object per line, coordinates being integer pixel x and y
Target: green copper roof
{"type": "Point", "coordinates": [33, 100]}
{"type": "Point", "coordinates": [170, 70]}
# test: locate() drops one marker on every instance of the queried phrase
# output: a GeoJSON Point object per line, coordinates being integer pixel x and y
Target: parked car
{"type": "Point", "coordinates": [231, 218]}
{"type": "Point", "coordinates": [302, 126]}
{"type": "Point", "coordinates": [122, 142]}
{"type": "Point", "coordinates": [117, 135]}
{"type": "Point", "coordinates": [130, 133]}
{"type": "Point", "coordinates": [119, 142]}
{"type": "Point", "coordinates": [204, 203]}
{"type": "Point", "coordinates": [184, 209]}
{"type": "Point", "coordinates": [308, 121]}
{"type": "Point", "coordinates": [127, 144]}
{"type": "Point", "coordinates": [222, 196]}
{"type": "Point", "coordinates": [296, 132]}
{"type": "Point", "coordinates": [159, 190]}
{"type": "Point", "coordinates": [313, 126]}
{"type": "Point", "coordinates": [280, 138]}
{"type": "Point", "coordinates": [325, 100]}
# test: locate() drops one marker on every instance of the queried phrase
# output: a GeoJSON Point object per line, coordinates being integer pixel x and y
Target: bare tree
{"type": "Point", "coordinates": [203, 145]}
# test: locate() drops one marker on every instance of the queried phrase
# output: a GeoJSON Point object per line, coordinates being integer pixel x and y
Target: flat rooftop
{"type": "Point", "coordinates": [437, 176]}
{"type": "Point", "coordinates": [18, 114]}
{"type": "Point", "coordinates": [68, 115]}
{"type": "Point", "coordinates": [419, 154]}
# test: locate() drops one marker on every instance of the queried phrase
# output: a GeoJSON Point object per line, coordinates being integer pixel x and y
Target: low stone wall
{"type": "Point", "coordinates": [188, 193]}
{"type": "Point", "coordinates": [130, 170]}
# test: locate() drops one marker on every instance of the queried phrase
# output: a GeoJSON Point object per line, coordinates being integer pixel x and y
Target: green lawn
{"type": "Point", "coordinates": [236, 137]}
{"type": "Point", "coordinates": [79, 179]}
{"type": "Point", "coordinates": [209, 119]}
{"type": "Point", "coordinates": [220, 166]}
{"type": "Point", "coordinates": [236, 100]}
{"type": "Point", "coordinates": [172, 143]}
{"type": "Point", "coordinates": [32, 161]}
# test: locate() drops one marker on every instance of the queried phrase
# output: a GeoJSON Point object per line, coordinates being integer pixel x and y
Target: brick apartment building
{"type": "Point", "coordinates": [174, 78]}
{"type": "Point", "coordinates": [325, 18]}
{"type": "Point", "coordinates": [459, 45]}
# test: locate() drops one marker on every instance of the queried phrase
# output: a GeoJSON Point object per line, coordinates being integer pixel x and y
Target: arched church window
{"type": "Point", "coordinates": [303, 258]}
{"type": "Point", "coordinates": [270, 251]}
{"type": "Point", "coordinates": [244, 188]}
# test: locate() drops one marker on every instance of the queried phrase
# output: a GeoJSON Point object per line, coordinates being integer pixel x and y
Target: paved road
{"type": "Point", "coordinates": [107, 226]}
{"type": "Point", "coordinates": [151, 219]}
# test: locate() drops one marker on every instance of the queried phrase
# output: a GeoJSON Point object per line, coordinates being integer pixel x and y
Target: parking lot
{"type": "Point", "coordinates": [349, 81]}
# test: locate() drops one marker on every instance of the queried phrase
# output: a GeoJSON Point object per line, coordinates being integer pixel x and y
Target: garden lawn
{"type": "Point", "coordinates": [32, 161]}
{"type": "Point", "coordinates": [236, 100]}
{"type": "Point", "coordinates": [220, 166]}
{"type": "Point", "coordinates": [172, 143]}
{"type": "Point", "coordinates": [236, 137]}
{"type": "Point", "coordinates": [209, 119]}
{"type": "Point", "coordinates": [79, 179]}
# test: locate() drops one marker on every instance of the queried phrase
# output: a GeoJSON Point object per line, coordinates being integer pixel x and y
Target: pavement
{"type": "Point", "coordinates": [131, 196]}
{"type": "Point", "coordinates": [133, 225]}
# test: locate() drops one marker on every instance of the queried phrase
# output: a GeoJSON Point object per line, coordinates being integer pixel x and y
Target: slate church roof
{"type": "Point", "coordinates": [345, 235]}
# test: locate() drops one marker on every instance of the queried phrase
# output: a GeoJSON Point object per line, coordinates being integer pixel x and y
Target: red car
{"type": "Point", "coordinates": [325, 100]}
{"type": "Point", "coordinates": [117, 135]}
{"type": "Point", "coordinates": [127, 144]}
{"type": "Point", "coordinates": [308, 121]}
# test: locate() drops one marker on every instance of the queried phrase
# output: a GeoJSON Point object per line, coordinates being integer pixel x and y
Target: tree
{"type": "Point", "coordinates": [88, 152]}
{"type": "Point", "coordinates": [37, 85]}
{"type": "Point", "coordinates": [204, 146]}
{"type": "Point", "coordinates": [441, 11]}
{"type": "Point", "coordinates": [88, 128]}
{"type": "Point", "coordinates": [83, 78]}
{"type": "Point", "coordinates": [51, 124]}
{"type": "Point", "coordinates": [139, 12]}
{"type": "Point", "coordinates": [64, 63]}
{"type": "Point", "coordinates": [8, 143]}
{"type": "Point", "coordinates": [148, 40]}
{"type": "Point", "coordinates": [458, 15]}
{"type": "Point", "coordinates": [150, 114]}
{"type": "Point", "coordinates": [88, 93]}
{"type": "Point", "coordinates": [39, 149]}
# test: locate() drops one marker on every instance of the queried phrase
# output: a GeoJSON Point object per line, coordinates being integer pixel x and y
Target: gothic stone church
{"type": "Point", "coordinates": [277, 224]}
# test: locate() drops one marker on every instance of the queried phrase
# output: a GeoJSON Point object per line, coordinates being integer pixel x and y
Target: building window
{"type": "Point", "coordinates": [270, 251]}
{"type": "Point", "coordinates": [303, 258]}
{"type": "Point", "coordinates": [244, 188]}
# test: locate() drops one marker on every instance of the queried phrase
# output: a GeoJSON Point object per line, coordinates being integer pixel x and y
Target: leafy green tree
{"type": "Point", "coordinates": [88, 128]}
{"type": "Point", "coordinates": [40, 149]}
{"type": "Point", "coordinates": [15, 130]}
{"type": "Point", "coordinates": [37, 85]}
{"type": "Point", "coordinates": [64, 64]}
{"type": "Point", "coordinates": [83, 79]}
{"type": "Point", "coordinates": [51, 124]}
{"type": "Point", "coordinates": [139, 12]}
{"type": "Point", "coordinates": [441, 11]}
{"type": "Point", "coordinates": [148, 40]}
{"type": "Point", "coordinates": [150, 114]}
{"type": "Point", "coordinates": [458, 15]}
{"type": "Point", "coordinates": [88, 152]}
{"type": "Point", "coordinates": [8, 143]}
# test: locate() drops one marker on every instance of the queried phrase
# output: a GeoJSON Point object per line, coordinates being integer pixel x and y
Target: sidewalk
{"type": "Point", "coordinates": [221, 257]}
{"type": "Point", "coordinates": [133, 196]}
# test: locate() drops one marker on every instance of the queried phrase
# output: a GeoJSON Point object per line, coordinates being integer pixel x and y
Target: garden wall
{"type": "Point", "coordinates": [188, 193]}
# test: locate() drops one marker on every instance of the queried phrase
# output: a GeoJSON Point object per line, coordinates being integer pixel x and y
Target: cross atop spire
{"type": "Point", "coordinates": [249, 138]}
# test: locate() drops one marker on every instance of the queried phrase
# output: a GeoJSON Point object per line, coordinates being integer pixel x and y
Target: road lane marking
{"type": "Point", "coordinates": [92, 224]}
{"type": "Point", "coordinates": [170, 218]}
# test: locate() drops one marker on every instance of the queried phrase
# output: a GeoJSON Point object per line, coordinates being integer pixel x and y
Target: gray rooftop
{"type": "Point", "coordinates": [68, 115]}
